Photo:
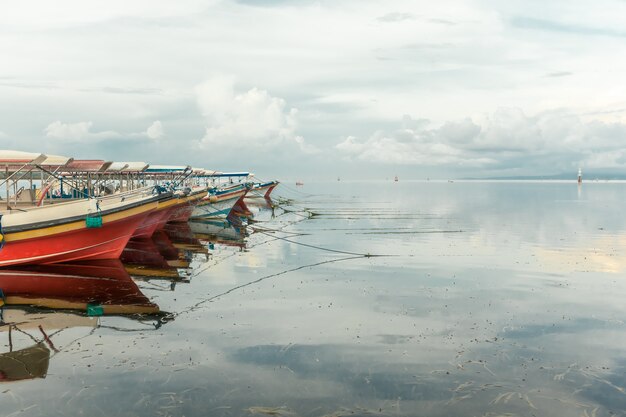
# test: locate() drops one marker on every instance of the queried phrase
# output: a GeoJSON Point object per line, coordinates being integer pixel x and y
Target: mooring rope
{"type": "Point", "coordinates": [247, 284]}
{"type": "Point", "coordinates": [266, 231]}
{"type": "Point", "coordinates": [365, 255]}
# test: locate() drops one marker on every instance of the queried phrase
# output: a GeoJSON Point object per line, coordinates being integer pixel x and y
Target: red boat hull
{"type": "Point", "coordinates": [182, 211]}
{"type": "Point", "coordinates": [240, 208]}
{"type": "Point", "coordinates": [155, 221]}
{"type": "Point", "coordinates": [68, 281]}
{"type": "Point", "coordinates": [143, 252]}
{"type": "Point", "coordinates": [74, 285]}
{"type": "Point", "coordinates": [74, 241]}
{"type": "Point", "coordinates": [164, 218]}
{"type": "Point", "coordinates": [269, 191]}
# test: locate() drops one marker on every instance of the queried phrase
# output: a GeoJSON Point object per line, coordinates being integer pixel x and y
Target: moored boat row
{"type": "Point", "coordinates": [59, 209]}
{"type": "Point", "coordinates": [45, 308]}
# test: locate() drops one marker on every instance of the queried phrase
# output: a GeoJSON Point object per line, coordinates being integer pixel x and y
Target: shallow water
{"type": "Point", "coordinates": [492, 298]}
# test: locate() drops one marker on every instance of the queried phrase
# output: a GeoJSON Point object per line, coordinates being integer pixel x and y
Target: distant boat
{"type": "Point", "coordinates": [396, 178]}
{"type": "Point", "coordinates": [299, 183]}
{"type": "Point", "coordinates": [580, 175]}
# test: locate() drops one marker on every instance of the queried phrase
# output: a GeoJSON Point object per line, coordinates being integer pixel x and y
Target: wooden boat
{"type": "Point", "coordinates": [62, 232]}
{"type": "Point", "coordinates": [262, 189]}
{"type": "Point", "coordinates": [89, 209]}
{"type": "Point", "coordinates": [183, 210]}
{"type": "Point", "coordinates": [173, 178]}
{"type": "Point", "coordinates": [90, 178]}
{"type": "Point", "coordinates": [94, 228]}
{"type": "Point", "coordinates": [156, 219]}
{"type": "Point", "coordinates": [219, 202]}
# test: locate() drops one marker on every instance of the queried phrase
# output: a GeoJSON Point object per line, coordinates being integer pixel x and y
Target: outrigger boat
{"type": "Point", "coordinates": [186, 204]}
{"type": "Point", "coordinates": [180, 207]}
{"type": "Point", "coordinates": [219, 202]}
{"type": "Point", "coordinates": [221, 196]}
{"type": "Point", "coordinates": [59, 209]}
{"type": "Point", "coordinates": [97, 227]}
{"type": "Point", "coordinates": [255, 189]}
{"type": "Point", "coordinates": [133, 171]}
{"type": "Point", "coordinates": [262, 189]}
{"type": "Point", "coordinates": [99, 177]}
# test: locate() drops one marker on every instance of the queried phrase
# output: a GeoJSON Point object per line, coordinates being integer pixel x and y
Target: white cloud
{"type": "Point", "coordinates": [253, 118]}
{"type": "Point", "coordinates": [507, 138]}
{"type": "Point", "coordinates": [609, 159]}
{"type": "Point", "coordinates": [396, 17]}
{"type": "Point", "coordinates": [409, 148]}
{"type": "Point", "coordinates": [372, 61]}
{"type": "Point", "coordinates": [37, 14]}
{"type": "Point", "coordinates": [81, 131]}
{"type": "Point", "coordinates": [155, 131]}
{"type": "Point", "coordinates": [306, 147]}
{"type": "Point", "coordinates": [68, 131]}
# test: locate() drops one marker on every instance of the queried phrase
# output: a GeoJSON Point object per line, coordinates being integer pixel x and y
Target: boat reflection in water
{"type": "Point", "coordinates": [248, 208]}
{"type": "Point", "coordinates": [157, 257]}
{"type": "Point", "coordinates": [257, 205]}
{"type": "Point", "coordinates": [41, 301]}
{"type": "Point", "coordinates": [75, 286]}
{"type": "Point", "coordinates": [166, 255]}
{"type": "Point", "coordinates": [183, 239]}
{"type": "Point", "coordinates": [174, 254]}
{"type": "Point", "coordinates": [220, 232]}
{"type": "Point", "coordinates": [240, 210]}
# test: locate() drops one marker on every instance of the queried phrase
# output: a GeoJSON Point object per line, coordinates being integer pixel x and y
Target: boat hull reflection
{"type": "Point", "coordinates": [221, 232]}
{"type": "Point", "coordinates": [40, 301]}
{"type": "Point", "coordinates": [143, 258]}
{"type": "Point", "coordinates": [75, 286]}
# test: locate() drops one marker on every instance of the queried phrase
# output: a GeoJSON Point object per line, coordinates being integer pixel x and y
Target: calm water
{"type": "Point", "coordinates": [492, 299]}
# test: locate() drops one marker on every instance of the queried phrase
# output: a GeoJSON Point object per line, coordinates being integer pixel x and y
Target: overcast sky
{"type": "Point", "coordinates": [308, 89]}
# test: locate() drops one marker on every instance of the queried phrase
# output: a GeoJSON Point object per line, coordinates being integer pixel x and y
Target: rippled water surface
{"type": "Point", "coordinates": [487, 299]}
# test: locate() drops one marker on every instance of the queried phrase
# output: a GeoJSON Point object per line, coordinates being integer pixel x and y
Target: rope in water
{"type": "Point", "coordinates": [265, 231]}
{"type": "Point", "coordinates": [247, 284]}
{"type": "Point", "coordinates": [365, 255]}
